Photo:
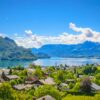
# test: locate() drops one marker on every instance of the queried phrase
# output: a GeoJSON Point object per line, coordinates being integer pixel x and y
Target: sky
{"type": "Point", "coordinates": [33, 23]}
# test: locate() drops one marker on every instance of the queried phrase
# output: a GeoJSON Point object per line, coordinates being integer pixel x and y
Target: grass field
{"type": "Point", "coordinates": [97, 97]}
{"type": "Point", "coordinates": [98, 67]}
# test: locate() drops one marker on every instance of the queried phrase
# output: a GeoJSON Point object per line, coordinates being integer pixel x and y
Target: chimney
{"type": "Point", "coordinates": [43, 99]}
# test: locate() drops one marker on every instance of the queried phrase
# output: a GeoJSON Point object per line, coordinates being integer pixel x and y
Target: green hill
{"type": "Point", "coordinates": [10, 51]}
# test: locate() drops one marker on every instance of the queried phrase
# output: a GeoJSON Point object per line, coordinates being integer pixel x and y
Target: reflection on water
{"type": "Point", "coordinates": [52, 62]}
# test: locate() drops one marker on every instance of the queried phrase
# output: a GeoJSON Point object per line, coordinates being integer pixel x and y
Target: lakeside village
{"type": "Point", "coordinates": [50, 83]}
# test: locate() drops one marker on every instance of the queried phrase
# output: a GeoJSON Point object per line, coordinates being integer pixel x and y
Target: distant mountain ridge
{"type": "Point", "coordinates": [10, 51]}
{"type": "Point", "coordinates": [86, 49]}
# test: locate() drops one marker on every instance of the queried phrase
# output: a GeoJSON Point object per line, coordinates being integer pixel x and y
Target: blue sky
{"type": "Point", "coordinates": [48, 17]}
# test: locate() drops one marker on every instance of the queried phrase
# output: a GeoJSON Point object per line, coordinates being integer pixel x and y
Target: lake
{"type": "Point", "coordinates": [52, 62]}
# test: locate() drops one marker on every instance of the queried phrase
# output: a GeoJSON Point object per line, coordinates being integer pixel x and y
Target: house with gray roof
{"type": "Point", "coordinates": [49, 81]}
{"type": "Point", "coordinates": [70, 81]}
{"type": "Point", "coordinates": [63, 87]}
{"type": "Point", "coordinates": [22, 87]}
{"type": "Point", "coordinates": [10, 77]}
{"type": "Point", "coordinates": [47, 97]}
{"type": "Point", "coordinates": [95, 87]}
{"type": "Point", "coordinates": [19, 87]}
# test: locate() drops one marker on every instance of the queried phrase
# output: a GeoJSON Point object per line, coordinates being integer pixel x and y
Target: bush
{"type": "Point", "coordinates": [6, 92]}
{"type": "Point", "coordinates": [76, 87]}
{"type": "Point", "coordinates": [89, 69]}
{"type": "Point", "coordinates": [47, 90]}
{"type": "Point", "coordinates": [86, 85]}
{"type": "Point", "coordinates": [97, 78]}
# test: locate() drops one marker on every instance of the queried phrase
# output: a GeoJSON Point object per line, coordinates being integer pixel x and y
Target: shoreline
{"type": "Point", "coordinates": [54, 61]}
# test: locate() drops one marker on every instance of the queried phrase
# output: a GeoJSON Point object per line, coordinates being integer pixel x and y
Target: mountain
{"type": "Point", "coordinates": [10, 51]}
{"type": "Point", "coordinates": [40, 55]}
{"type": "Point", "coordinates": [86, 49]}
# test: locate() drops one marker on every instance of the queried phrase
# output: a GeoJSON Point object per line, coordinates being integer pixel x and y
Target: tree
{"type": "Point", "coordinates": [13, 82]}
{"type": "Point", "coordinates": [10, 72]}
{"type": "Point", "coordinates": [61, 66]}
{"type": "Point", "coordinates": [23, 73]}
{"type": "Point", "coordinates": [32, 65]}
{"type": "Point", "coordinates": [86, 85]}
{"type": "Point", "coordinates": [60, 76]}
{"type": "Point", "coordinates": [38, 72]}
{"type": "Point", "coordinates": [3, 75]}
{"type": "Point", "coordinates": [70, 75]}
{"type": "Point", "coordinates": [76, 87]}
{"type": "Point", "coordinates": [18, 67]}
{"type": "Point", "coordinates": [97, 78]}
{"type": "Point", "coordinates": [74, 70]}
{"type": "Point", "coordinates": [23, 96]}
{"type": "Point", "coordinates": [6, 92]}
{"type": "Point", "coordinates": [89, 69]}
{"type": "Point", "coordinates": [48, 90]}
{"type": "Point", "coordinates": [50, 69]}
{"type": "Point", "coordinates": [66, 66]}
{"type": "Point", "coordinates": [71, 85]}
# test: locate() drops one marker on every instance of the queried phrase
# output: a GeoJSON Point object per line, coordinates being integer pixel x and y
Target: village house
{"type": "Point", "coordinates": [28, 86]}
{"type": "Point", "coordinates": [47, 97]}
{"type": "Point", "coordinates": [11, 77]}
{"type": "Point", "coordinates": [7, 77]}
{"type": "Point", "coordinates": [91, 77]}
{"type": "Point", "coordinates": [19, 87]}
{"type": "Point", "coordinates": [49, 81]}
{"type": "Point", "coordinates": [45, 75]}
{"type": "Point", "coordinates": [81, 76]}
{"type": "Point", "coordinates": [30, 71]}
{"type": "Point", "coordinates": [22, 87]}
{"type": "Point", "coordinates": [43, 69]}
{"type": "Point", "coordinates": [95, 87]}
{"type": "Point", "coordinates": [63, 87]}
{"type": "Point", "coordinates": [1, 80]}
{"type": "Point", "coordinates": [63, 84]}
{"type": "Point", "coordinates": [6, 71]}
{"type": "Point", "coordinates": [70, 81]}
{"type": "Point", "coordinates": [33, 80]}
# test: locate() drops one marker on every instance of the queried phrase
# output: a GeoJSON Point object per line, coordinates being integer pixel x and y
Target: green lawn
{"type": "Point", "coordinates": [97, 97]}
{"type": "Point", "coordinates": [98, 67]}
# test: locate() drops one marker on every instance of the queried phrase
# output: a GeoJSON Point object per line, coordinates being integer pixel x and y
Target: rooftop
{"type": "Point", "coordinates": [31, 79]}
{"type": "Point", "coordinates": [70, 80]}
{"type": "Point", "coordinates": [63, 84]}
{"type": "Point", "coordinates": [19, 87]}
{"type": "Point", "coordinates": [95, 86]}
{"type": "Point", "coordinates": [47, 97]}
{"type": "Point", "coordinates": [12, 76]}
{"type": "Point", "coordinates": [49, 81]}
{"type": "Point", "coordinates": [22, 86]}
{"type": "Point", "coordinates": [6, 71]}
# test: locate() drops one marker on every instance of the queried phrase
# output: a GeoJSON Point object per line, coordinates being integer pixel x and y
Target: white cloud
{"type": "Point", "coordinates": [30, 40]}
{"type": "Point", "coordinates": [28, 32]}
{"type": "Point", "coordinates": [86, 33]}
{"type": "Point", "coordinates": [2, 35]}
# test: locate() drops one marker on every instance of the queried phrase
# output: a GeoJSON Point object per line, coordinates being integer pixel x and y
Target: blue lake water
{"type": "Point", "coordinates": [52, 62]}
{"type": "Point", "coordinates": [68, 61]}
{"type": "Point", "coordinates": [7, 63]}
